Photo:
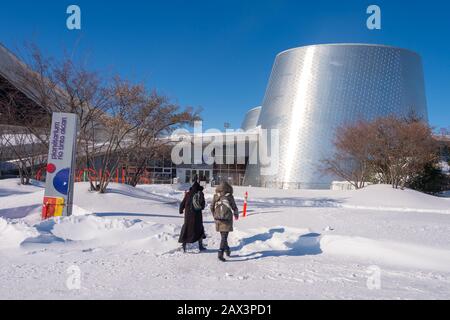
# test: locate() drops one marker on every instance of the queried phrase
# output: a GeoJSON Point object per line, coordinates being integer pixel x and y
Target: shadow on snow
{"type": "Point", "coordinates": [305, 245]}
{"type": "Point", "coordinates": [19, 212]}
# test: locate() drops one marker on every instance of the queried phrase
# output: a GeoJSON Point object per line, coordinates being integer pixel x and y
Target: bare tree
{"type": "Point", "coordinates": [351, 161]}
{"type": "Point", "coordinates": [388, 150]}
{"type": "Point", "coordinates": [401, 149]}
{"type": "Point", "coordinates": [24, 150]}
{"type": "Point", "coordinates": [157, 118]}
{"type": "Point", "coordinates": [117, 120]}
{"type": "Point", "coordinates": [2, 148]}
{"type": "Point", "coordinates": [25, 132]}
{"type": "Point", "coordinates": [66, 86]}
{"type": "Point", "coordinates": [86, 95]}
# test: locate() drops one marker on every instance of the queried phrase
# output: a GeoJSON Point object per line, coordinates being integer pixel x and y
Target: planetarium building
{"type": "Point", "coordinates": [312, 91]}
{"type": "Point", "coordinates": [315, 89]}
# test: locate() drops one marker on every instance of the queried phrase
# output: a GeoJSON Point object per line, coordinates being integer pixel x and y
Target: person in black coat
{"type": "Point", "coordinates": [193, 230]}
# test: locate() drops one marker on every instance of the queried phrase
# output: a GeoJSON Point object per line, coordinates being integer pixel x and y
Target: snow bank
{"type": "Point", "coordinates": [374, 198]}
{"type": "Point", "coordinates": [387, 252]}
{"type": "Point", "coordinates": [78, 211]}
{"type": "Point", "coordinates": [13, 186]}
{"type": "Point", "coordinates": [285, 241]}
{"type": "Point", "coordinates": [21, 202]}
{"type": "Point", "coordinates": [25, 202]}
{"type": "Point", "coordinates": [386, 198]}
{"type": "Point", "coordinates": [90, 230]}
{"type": "Point", "coordinates": [174, 192]}
{"type": "Point", "coordinates": [150, 192]}
{"type": "Point", "coordinates": [12, 234]}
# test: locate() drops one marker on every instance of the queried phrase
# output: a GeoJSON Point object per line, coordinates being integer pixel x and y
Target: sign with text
{"type": "Point", "coordinates": [58, 199]}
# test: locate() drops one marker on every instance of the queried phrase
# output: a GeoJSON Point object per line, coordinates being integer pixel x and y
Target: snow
{"type": "Point", "coordinates": [395, 253]}
{"type": "Point", "coordinates": [374, 197]}
{"type": "Point", "coordinates": [13, 234]}
{"type": "Point", "coordinates": [294, 244]}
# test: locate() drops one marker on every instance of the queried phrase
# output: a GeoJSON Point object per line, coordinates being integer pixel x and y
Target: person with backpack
{"type": "Point", "coordinates": [192, 206]}
{"type": "Point", "coordinates": [224, 209]}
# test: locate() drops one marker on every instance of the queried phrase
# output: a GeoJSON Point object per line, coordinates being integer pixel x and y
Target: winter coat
{"type": "Point", "coordinates": [192, 230]}
{"type": "Point", "coordinates": [224, 190]}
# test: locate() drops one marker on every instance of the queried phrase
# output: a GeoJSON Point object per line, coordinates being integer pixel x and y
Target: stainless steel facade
{"type": "Point", "coordinates": [252, 171]}
{"type": "Point", "coordinates": [251, 119]}
{"type": "Point", "coordinates": [315, 89]}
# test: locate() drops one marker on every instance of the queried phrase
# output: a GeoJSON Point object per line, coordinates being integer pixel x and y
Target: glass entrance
{"type": "Point", "coordinates": [202, 175]}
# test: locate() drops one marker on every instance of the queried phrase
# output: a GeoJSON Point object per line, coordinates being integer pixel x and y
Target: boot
{"type": "Point", "coordinates": [184, 247]}
{"type": "Point", "coordinates": [220, 256]}
{"type": "Point", "coordinates": [200, 246]}
{"type": "Point", "coordinates": [228, 252]}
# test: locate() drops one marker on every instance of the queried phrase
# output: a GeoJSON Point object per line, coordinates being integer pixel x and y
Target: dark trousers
{"type": "Point", "coordinates": [224, 243]}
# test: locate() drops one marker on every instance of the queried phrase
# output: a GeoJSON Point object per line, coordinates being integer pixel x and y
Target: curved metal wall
{"type": "Point", "coordinates": [251, 119]}
{"type": "Point", "coordinates": [251, 123]}
{"type": "Point", "coordinates": [314, 89]}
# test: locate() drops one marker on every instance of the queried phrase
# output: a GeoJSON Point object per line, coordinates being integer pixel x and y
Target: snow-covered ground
{"type": "Point", "coordinates": [293, 245]}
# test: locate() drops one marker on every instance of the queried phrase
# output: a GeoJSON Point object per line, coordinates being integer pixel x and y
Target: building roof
{"type": "Point", "coordinates": [9, 67]}
{"type": "Point", "coordinates": [348, 45]}
{"type": "Point", "coordinates": [14, 70]}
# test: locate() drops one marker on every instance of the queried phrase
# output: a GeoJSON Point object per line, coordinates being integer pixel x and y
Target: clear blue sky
{"type": "Point", "coordinates": [218, 54]}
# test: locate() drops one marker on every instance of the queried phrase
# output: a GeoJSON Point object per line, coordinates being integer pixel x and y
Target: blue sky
{"type": "Point", "coordinates": [219, 54]}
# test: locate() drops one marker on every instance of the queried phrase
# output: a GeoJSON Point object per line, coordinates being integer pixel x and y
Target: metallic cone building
{"type": "Point", "coordinates": [315, 89]}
